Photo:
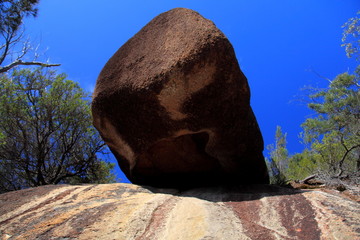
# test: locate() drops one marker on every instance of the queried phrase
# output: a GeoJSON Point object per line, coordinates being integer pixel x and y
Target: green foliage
{"type": "Point", "coordinates": [302, 165]}
{"type": "Point", "coordinates": [12, 13]}
{"type": "Point", "coordinates": [351, 37]}
{"type": "Point", "coordinates": [278, 162]}
{"type": "Point", "coordinates": [2, 139]}
{"type": "Point", "coordinates": [334, 133]}
{"type": "Point", "coordinates": [99, 173]}
{"type": "Point", "coordinates": [46, 132]}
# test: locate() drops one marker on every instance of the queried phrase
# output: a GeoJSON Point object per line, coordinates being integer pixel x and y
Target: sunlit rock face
{"type": "Point", "coordinates": [174, 107]}
{"type": "Point", "coordinates": [125, 211]}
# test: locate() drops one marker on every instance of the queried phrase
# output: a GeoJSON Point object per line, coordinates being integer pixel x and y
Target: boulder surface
{"type": "Point", "coordinates": [125, 211]}
{"type": "Point", "coordinates": [174, 107]}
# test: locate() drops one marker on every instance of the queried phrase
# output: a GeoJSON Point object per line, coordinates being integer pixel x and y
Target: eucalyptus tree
{"type": "Point", "coordinates": [334, 133]}
{"type": "Point", "coordinates": [14, 46]}
{"type": "Point", "coordinates": [46, 132]}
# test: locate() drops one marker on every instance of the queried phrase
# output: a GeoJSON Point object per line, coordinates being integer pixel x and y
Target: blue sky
{"type": "Point", "coordinates": [280, 45]}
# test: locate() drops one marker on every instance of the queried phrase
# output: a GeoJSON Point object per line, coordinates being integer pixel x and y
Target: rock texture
{"type": "Point", "coordinates": [174, 107]}
{"type": "Point", "coordinates": [124, 211]}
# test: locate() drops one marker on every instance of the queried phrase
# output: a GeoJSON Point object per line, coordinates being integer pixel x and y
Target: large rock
{"type": "Point", "coordinates": [124, 211]}
{"type": "Point", "coordinates": [174, 107]}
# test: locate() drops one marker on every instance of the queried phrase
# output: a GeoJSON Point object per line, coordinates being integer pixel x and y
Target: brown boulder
{"type": "Point", "coordinates": [174, 107]}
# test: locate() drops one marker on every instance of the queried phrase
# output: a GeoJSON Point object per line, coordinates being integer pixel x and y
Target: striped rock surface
{"type": "Point", "coordinates": [125, 211]}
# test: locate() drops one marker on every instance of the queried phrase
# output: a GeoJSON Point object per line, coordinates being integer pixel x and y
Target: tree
{"type": "Point", "coordinates": [351, 40]}
{"type": "Point", "coordinates": [278, 162]}
{"type": "Point", "coordinates": [46, 135]}
{"type": "Point", "coordinates": [13, 47]}
{"type": "Point", "coordinates": [13, 12]}
{"type": "Point", "coordinates": [334, 133]}
{"type": "Point", "coordinates": [99, 173]}
{"type": "Point", "coordinates": [302, 165]}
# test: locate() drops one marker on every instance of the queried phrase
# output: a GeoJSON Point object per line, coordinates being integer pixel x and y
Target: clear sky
{"type": "Point", "coordinates": [280, 45]}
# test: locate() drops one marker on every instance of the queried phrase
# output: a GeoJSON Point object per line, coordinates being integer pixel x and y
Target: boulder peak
{"type": "Point", "coordinates": [166, 41]}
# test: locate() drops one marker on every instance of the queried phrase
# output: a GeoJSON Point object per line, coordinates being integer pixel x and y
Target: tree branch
{"type": "Point", "coordinates": [340, 164]}
{"type": "Point", "coordinates": [305, 180]}
{"type": "Point", "coordinates": [20, 62]}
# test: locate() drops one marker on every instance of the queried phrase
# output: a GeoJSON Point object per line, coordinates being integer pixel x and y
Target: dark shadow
{"type": "Point", "coordinates": [182, 163]}
{"type": "Point", "coordinates": [227, 193]}
{"type": "Point", "coordinates": [178, 162]}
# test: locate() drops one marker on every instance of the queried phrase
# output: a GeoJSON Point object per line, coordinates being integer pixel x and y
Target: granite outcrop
{"type": "Point", "coordinates": [126, 211]}
{"type": "Point", "coordinates": [174, 107]}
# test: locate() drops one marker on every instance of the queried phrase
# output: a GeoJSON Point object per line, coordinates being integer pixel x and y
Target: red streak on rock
{"type": "Point", "coordinates": [298, 217]}
{"type": "Point", "coordinates": [42, 204]}
{"type": "Point", "coordinates": [248, 213]}
{"type": "Point", "coordinates": [158, 218]}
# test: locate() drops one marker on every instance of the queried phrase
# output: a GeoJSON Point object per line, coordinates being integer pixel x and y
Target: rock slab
{"type": "Point", "coordinates": [174, 107]}
{"type": "Point", "coordinates": [125, 211]}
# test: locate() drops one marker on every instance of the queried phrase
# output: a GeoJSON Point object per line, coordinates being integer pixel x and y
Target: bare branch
{"type": "Point", "coordinates": [341, 162]}
{"type": "Point", "coordinates": [6, 50]}
{"type": "Point", "coordinates": [11, 39]}
{"type": "Point", "coordinates": [25, 49]}
{"type": "Point", "coordinates": [320, 76]}
{"type": "Point", "coordinates": [20, 62]}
